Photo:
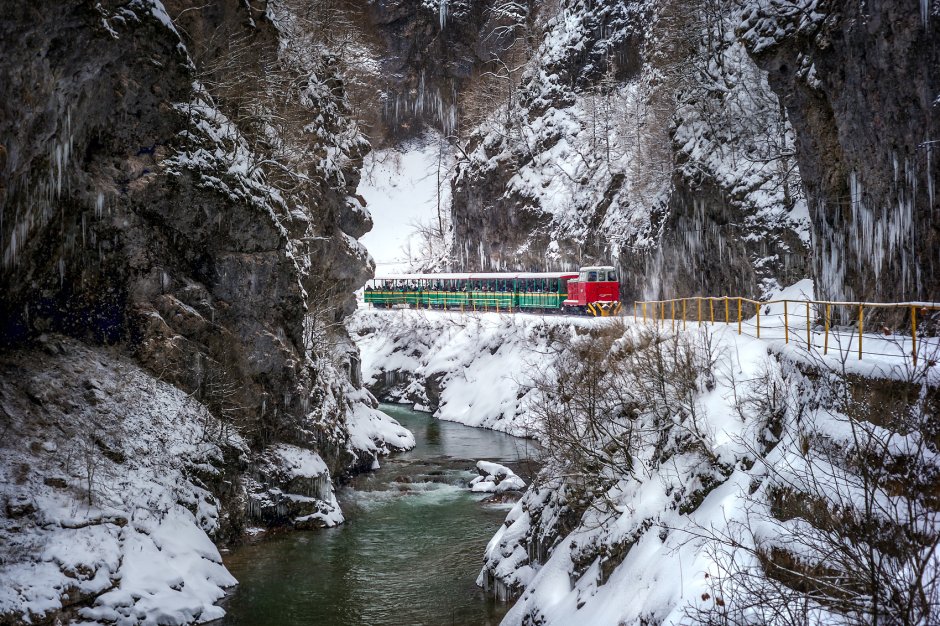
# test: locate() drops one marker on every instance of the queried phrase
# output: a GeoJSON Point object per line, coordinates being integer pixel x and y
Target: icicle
{"type": "Point", "coordinates": [930, 188]}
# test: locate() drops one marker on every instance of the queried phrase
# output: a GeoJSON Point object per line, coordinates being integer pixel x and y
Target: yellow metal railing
{"type": "Point", "coordinates": [735, 309]}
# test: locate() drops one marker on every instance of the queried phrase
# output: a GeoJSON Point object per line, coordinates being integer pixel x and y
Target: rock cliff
{"type": "Point", "coordinates": [176, 187]}
{"type": "Point", "coordinates": [642, 133]}
{"type": "Point", "coordinates": [860, 86]}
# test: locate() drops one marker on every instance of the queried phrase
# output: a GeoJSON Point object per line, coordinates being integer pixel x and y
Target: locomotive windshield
{"type": "Point", "coordinates": [597, 274]}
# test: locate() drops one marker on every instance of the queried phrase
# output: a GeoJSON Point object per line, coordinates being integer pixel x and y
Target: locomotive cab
{"type": "Point", "coordinates": [595, 290]}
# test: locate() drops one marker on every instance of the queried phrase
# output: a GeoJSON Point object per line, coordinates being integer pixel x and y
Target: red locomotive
{"type": "Point", "coordinates": [595, 291]}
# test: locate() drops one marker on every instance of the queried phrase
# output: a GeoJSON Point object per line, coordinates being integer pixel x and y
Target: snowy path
{"type": "Point", "coordinates": [882, 355]}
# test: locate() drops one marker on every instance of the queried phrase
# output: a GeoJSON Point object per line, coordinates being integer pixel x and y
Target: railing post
{"type": "Point", "coordinates": [683, 313]}
{"type": "Point", "coordinates": [700, 311]}
{"type": "Point", "coordinates": [644, 312]}
{"type": "Point", "coordinates": [672, 304]}
{"type": "Point", "coordinates": [662, 313]}
{"type": "Point", "coordinates": [826, 340]}
{"type": "Point", "coordinates": [786, 324]}
{"type": "Point", "coordinates": [861, 328]}
{"type": "Point", "coordinates": [809, 336]}
{"type": "Point", "coordinates": [727, 314]}
{"type": "Point", "coordinates": [739, 316]}
{"type": "Point", "coordinates": [634, 311]}
{"type": "Point", "coordinates": [914, 334]}
{"type": "Point", "coordinates": [757, 307]}
{"type": "Point", "coordinates": [711, 309]}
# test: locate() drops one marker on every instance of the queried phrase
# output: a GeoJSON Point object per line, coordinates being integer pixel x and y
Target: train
{"type": "Point", "coordinates": [593, 290]}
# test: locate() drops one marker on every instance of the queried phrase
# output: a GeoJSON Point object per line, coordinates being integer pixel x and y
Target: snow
{"type": "Point", "coordinates": [140, 551]}
{"type": "Point", "coordinates": [400, 186]}
{"type": "Point", "coordinates": [373, 431]}
{"type": "Point", "coordinates": [484, 360]}
{"type": "Point", "coordinates": [495, 478]}
{"type": "Point", "coordinates": [300, 462]}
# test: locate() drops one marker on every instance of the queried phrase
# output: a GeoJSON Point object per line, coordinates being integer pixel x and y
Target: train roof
{"type": "Point", "coordinates": [479, 276]}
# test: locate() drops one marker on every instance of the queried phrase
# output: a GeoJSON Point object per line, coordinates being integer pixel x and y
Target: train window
{"type": "Point", "coordinates": [592, 276]}
{"type": "Point", "coordinates": [611, 275]}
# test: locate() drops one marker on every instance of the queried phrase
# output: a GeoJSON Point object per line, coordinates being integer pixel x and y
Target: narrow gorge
{"type": "Point", "coordinates": [194, 194]}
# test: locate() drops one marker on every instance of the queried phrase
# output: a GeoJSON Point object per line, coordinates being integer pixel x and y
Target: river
{"type": "Point", "coordinates": [409, 552]}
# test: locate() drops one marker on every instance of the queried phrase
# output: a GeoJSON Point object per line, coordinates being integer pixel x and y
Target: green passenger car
{"type": "Point", "coordinates": [540, 291]}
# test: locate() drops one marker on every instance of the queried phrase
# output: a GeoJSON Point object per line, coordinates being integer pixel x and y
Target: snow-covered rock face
{"type": "Point", "coordinates": [143, 206]}
{"type": "Point", "coordinates": [109, 481]}
{"type": "Point", "coordinates": [641, 132]}
{"type": "Point", "coordinates": [180, 189]}
{"type": "Point", "coordinates": [860, 87]}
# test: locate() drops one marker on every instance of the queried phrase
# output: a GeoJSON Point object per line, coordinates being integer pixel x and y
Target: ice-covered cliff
{"type": "Point", "coordinates": [860, 87]}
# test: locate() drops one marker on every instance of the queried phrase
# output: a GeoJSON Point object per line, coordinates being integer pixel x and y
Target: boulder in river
{"type": "Point", "coordinates": [495, 478]}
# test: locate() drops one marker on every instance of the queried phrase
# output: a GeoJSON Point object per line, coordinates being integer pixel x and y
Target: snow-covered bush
{"type": "Point", "coordinates": [841, 523]}
{"type": "Point", "coordinates": [612, 395]}
{"type": "Point", "coordinates": [699, 477]}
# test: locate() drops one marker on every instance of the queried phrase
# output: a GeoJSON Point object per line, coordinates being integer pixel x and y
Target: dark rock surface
{"type": "Point", "coordinates": [426, 61]}
{"type": "Point", "coordinates": [860, 83]}
{"type": "Point", "coordinates": [118, 228]}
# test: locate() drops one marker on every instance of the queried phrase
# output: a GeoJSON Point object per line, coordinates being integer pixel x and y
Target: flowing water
{"type": "Point", "coordinates": [409, 552]}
